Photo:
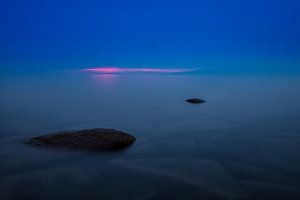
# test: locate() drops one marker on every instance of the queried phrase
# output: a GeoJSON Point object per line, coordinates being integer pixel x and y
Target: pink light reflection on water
{"type": "Point", "coordinates": [106, 79]}
{"type": "Point", "coordinates": [114, 70]}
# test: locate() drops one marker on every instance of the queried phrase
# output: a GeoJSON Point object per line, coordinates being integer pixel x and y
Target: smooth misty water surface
{"type": "Point", "coordinates": [243, 143]}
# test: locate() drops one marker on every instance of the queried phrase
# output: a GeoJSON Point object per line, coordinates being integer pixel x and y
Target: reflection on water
{"type": "Point", "coordinates": [243, 143]}
{"type": "Point", "coordinates": [105, 79]}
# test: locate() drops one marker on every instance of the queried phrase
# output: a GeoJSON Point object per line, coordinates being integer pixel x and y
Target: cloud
{"type": "Point", "coordinates": [114, 70]}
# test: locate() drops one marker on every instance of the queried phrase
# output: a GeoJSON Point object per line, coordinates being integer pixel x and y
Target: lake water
{"type": "Point", "coordinates": [243, 143]}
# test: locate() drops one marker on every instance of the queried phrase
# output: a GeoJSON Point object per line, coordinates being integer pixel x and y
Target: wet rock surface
{"type": "Point", "coordinates": [195, 100]}
{"type": "Point", "coordinates": [98, 139]}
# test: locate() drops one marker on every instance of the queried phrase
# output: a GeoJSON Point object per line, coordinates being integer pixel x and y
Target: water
{"type": "Point", "coordinates": [243, 143]}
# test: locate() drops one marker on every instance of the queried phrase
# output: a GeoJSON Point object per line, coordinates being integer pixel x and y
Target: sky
{"type": "Point", "coordinates": [41, 35]}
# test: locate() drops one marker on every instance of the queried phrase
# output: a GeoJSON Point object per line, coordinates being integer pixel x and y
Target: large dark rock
{"type": "Point", "coordinates": [195, 100]}
{"type": "Point", "coordinates": [89, 139]}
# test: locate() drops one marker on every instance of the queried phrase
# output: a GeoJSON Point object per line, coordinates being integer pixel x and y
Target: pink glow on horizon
{"type": "Point", "coordinates": [113, 70]}
{"type": "Point", "coordinates": [107, 70]}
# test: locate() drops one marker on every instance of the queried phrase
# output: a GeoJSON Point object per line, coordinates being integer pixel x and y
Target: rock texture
{"type": "Point", "coordinates": [195, 100]}
{"type": "Point", "coordinates": [89, 139]}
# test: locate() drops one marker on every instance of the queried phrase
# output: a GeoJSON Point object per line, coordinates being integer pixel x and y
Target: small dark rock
{"type": "Point", "coordinates": [195, 100]}
{"type": "Point", "coordinates": [89, 139]}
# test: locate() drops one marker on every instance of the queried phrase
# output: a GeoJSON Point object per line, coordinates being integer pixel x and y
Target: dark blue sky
{"type": "Point", "coordinates": [56, 34]}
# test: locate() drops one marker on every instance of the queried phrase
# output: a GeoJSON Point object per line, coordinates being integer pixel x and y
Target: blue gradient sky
{"type": "Point", "coordinates": [227, 35]}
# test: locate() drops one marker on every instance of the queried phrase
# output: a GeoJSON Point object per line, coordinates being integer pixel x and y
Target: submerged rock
{"type": "Point", "coordinates": [89, 139]}
{"type": "Point", "coordinates": [195, 100]}
{"type": "Point", "coordinates": [203, 174]}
